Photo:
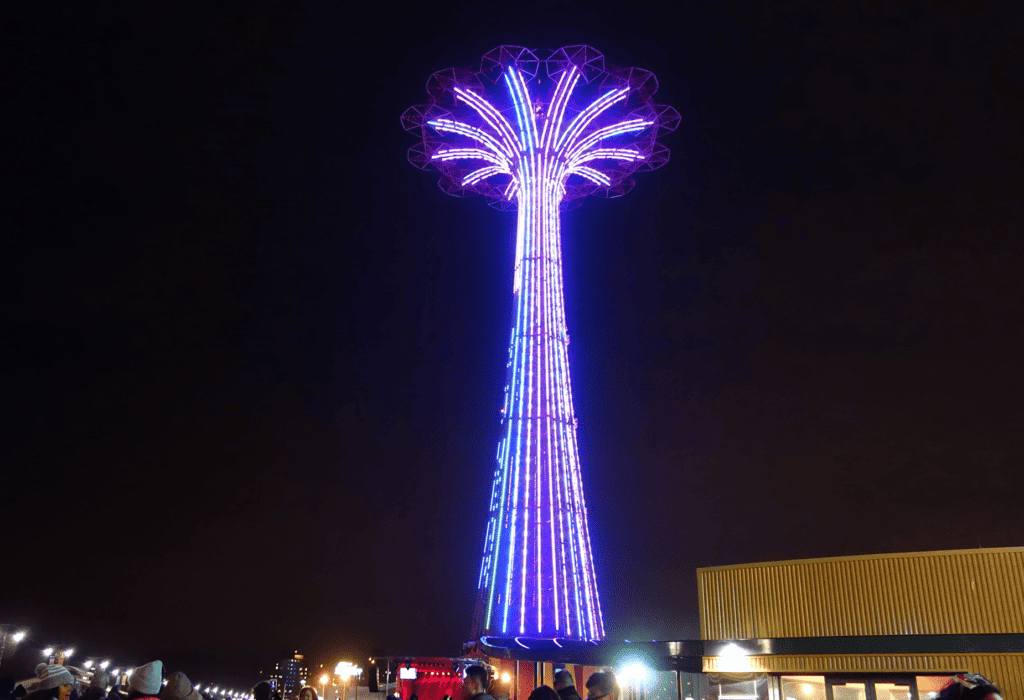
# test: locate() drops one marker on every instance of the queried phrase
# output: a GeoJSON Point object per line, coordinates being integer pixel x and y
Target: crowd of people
{"type": "Point", "coordinates": [603, 686]}
{"type": "Point", "coordinates": [149, 682]}
{"type": "Point", "coordinates": [57, 682]}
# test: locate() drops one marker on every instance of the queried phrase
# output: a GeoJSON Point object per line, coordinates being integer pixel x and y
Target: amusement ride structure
{"type": "Point", "coordinates": [536, 131]}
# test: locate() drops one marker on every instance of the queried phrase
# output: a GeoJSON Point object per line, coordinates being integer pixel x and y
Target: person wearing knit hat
{"type": "Point", "coordinates": [179, 687]}
{"type": "Point", "coordinates": [54, 683]}
{"type": "Point", "coordinates": [146, 681]}
{"type": "Point", "coordinates": [97, 689]}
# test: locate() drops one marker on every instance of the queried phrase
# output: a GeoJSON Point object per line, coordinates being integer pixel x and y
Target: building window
{"type": "Point", "coordinates": [754, 689]}
{"type": "Point", "coordinates": [803, 687]}
{"type": "Point", "coordinates": [929, 686]}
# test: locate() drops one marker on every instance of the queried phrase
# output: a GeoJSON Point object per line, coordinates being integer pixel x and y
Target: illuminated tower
{"type": "Point", "coordinates": [534, 131]}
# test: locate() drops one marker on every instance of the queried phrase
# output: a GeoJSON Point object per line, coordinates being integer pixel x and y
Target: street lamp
{"type": "Point", "coordinates": [347, 670]}
{"type": "Point", "coordinates": [16, 638]}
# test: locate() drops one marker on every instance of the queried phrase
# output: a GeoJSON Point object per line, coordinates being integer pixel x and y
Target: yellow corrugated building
{"type": "Point", "coordinates": [882, 627]}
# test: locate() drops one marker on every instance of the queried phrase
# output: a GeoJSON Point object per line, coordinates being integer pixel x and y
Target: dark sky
{"type": "Point", "coordinates": [253, 359]}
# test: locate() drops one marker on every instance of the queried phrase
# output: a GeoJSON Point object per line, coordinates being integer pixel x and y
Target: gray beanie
{"type": "Point", "coordinates": [179, 687]}
{"type": "Point", "coordinates": [148, 679]}
{"type": "Point", "coordinates": [53, 676]}
{"type": "Point", "coordinates": [100, 679]}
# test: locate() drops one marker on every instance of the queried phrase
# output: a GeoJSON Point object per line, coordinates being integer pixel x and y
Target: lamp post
{"type": "Point", "coordinates": [347, 670]}
{"type": "Point", "coordinates": [16, 638]}
{"type": "Point", "coordinates": [323, 685]}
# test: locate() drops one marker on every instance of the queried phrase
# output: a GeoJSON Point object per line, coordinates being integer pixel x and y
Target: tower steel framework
{"type": "Point", "coordinates": [536, 131]}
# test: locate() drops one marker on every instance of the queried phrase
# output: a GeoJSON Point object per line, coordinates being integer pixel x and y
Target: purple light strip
{"type": "Point", "coordinates": [482, 174]}
{"type": "Point", "coordinates": [549, 371]}
{"type": "Point", "coordinates": [528, 111]}
{"type": "Point", "coordinates": [571, 454]}
{"type": "Point", "coordinates": [592, 112]}
{"type": "Point", "coordinates": [446, 154]}
{"type": "Point", "coordinates": [508, 195]}
{"type": "Point", "coordinates": [541, 396]}
{"type": "Point", "coordinates": [524, 134]}
{"type": "Point", "coordinates": [478, 135]}
{"type": "Point", "coordinates": [631, 126]}
{"type": "Point", "coordinates": [607, 154]}
{"type": "Point", "coordinates": [558, 107]}
{"type": "Point", "coordinates": [545, 136]}
{"type": "Point", "coordinates": [493, 117]}
{"type": "Point", "coordinates": [595, 176]}
{"type": "Point", "coordinates": [528, 416]}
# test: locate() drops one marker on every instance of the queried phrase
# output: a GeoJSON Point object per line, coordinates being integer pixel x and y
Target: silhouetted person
{"type": "Point", "coordinates": [543, 692]}
{"type": "Point", "coordinates": [97, 689]}
{"type": "Point", "coordinates": [601, 685]}
{"type": "Point", "coordinates": [475, 683]}
{"type": "Point", "coordinates": [565, 686]}
{"type": "Point", "coordinates": [261, 691]}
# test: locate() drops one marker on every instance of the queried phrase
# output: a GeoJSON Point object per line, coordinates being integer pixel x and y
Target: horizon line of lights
{"type": "Point", "coordinates": [91, 664]}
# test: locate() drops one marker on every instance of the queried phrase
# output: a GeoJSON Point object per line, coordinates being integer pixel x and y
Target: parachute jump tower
{"type": "Point", "coordinates": [536, 131]}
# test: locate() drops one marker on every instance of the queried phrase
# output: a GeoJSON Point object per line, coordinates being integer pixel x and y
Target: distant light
{"type": "Point", "coordinates": [505, 677]}
{"type": "Point", "coordinates": [104, 665]}
{"type": "Point", "coordinates": [198, 686]}
{"type": "Point", "coordinates": [47, 651]}
{"type": "Point", "coordinates": [69, 652]}
{"type": "Point", "coordinates": [165, 681]}
{"type": "Point", "coordinates": [116, 672]}
{"type": "Point", "coordinates": [18, 636]}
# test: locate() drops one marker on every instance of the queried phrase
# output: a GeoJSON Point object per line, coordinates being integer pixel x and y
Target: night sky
{"type": "Point", "coordinates": [253, 359]}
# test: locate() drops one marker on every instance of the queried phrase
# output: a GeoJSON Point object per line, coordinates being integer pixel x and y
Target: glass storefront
{"type": "Point", "coordinates": [853, 687]}
{"type": "Point", "coordinates": [802, 687]}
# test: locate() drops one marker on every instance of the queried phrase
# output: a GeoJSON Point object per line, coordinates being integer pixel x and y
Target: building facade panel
{"type": "Point", "coordinates": [951, 592]}
{"type": "Point", "coordinates": [1007, 668]}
